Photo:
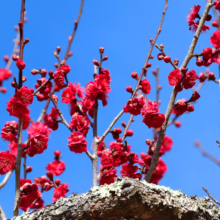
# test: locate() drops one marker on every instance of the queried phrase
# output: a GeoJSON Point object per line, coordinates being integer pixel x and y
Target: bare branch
{"type": "Point", "coordinates": [5, 180]}
{"type": "Point", "coordinates": [2, 214]}
{"type": "Point", "coordinates": [211, 196]}
{"type": "Point", "coordinates": [174, 93]}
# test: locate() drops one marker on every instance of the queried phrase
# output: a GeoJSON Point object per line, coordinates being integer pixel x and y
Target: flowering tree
{"type": "Point", "coordinates": [117, 182]}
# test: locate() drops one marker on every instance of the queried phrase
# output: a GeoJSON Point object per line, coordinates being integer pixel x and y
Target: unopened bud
{"type": "Point", "coordinates": [134, 75]}
{"type": "Point", "coordinates": [101, 50]}
{"type": "Point", "coordinates": [70, 54]}
{"type": "Point", "coordinates": [105, 58]}
{"type": "Point", "coordinates": [58, 49]}
{"type": "Point", "coordinates": [43, 72]}
{"type": "Point", "coordinates": [6, 58]}
{"type": "Point", "coordinates": [123, 124]}
{"type": "Point", "coordinates": [14, 84]}
{"type": "Point", "coordinates": [50, 175]}
{"type": "Point", "coordinates": [24, 78]}
{"type": "Point", "coordinates": [151, 40]}
{"type": "Point", "coordinates": [148, 65]}
{"type": "Point", "coordinates": [154, 72]}
{"type": "Point", "coordinates": [56, 65]}
{"type": "Point", "coordinates": [148, 142]}
{"type": "Point", "coordinates": [76, 22]}
{"type": "Point", "coordinates": [176, 62]}
{"type": "Point", "coordinates": [160, 56]}
{"type": "Point", "coordinates": [26, 40]}
{"type": "Point", "coordinates": [50, 73]}
{"type": "Point", "coordinates": [34, 72]}
{"type": "Point", "coordinates": [129, 133]}
{"type": "Point", "coordinates": [96, 62]}
{"type": "Point", "coordinates": [15, 57]}
{"type": "Point", "coordinates": [29, 169]}
{"type": "Point", "coordinates": [161, 46]}
{"type": "Point", "coordinates": [57, 181]}
{"type": "Point", "coordinates": [167, 59]}
{"type": "Point", "coordinates": [129, 89]}
{"type": "Point", "coordinates": [20, 24]}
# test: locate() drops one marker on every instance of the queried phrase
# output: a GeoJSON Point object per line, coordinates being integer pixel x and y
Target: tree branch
{"type": "Point", "coordinates": [20, 121]}
{"type": "Point", "coordinates": [5, 180]}
{"type": "Point", "coordinates": [2, 214]}
{"type": "Point", "coordinates": [211, 196]}
{"type": "Point", "coordinates": [174, 93]}
{"type": "Point", "coordinates": [127, 199]}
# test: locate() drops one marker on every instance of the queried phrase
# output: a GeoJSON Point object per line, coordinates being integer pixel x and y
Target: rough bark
{"type": "Point", "coordinates": [127, 199]}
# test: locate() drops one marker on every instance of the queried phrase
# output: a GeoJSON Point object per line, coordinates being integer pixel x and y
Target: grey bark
{"type": "Point", "coordinates": [127, 199]}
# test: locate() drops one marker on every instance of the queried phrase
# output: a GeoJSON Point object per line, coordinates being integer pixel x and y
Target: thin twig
{"type": "Point", "coordinates": [43, 85]}
{"type": "Point", "coordinates": [60, 113]}
{"type": "Point", "coordinates": [162, 51]}
{"type": "Point", "coordinates": [206, 154]}
{"type": "Point", "coordinates": [20, 121]}
{"type": "Point", "coordinates": [211, 196]}
{"type": "Point", "coordinates": [170, 106]}
{"type": "Point", "coordinates": [146, 61]}
{"type": "Point", "coordinates": [2, 214]}
{"type": "Point", "coordinates": [24, 166]}
{"type": "Point", "coordinates": [6, 178]}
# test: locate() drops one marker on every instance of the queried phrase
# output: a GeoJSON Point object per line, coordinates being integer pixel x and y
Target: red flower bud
{"type": "Point", "coordinates": [105, 58]}
{"type": "Point", "coordinates": [50, 175]}
{"type": "Point", "coordinates": [195, 96]}
{"type": "Point", "coordinates": [24, 78]}
{"type": "Point", "coordinates": [20, 64]}
{"type": "Point", "coordinates": [28, 169]}
{"type": "Point", "coordinates": [50, 73]}
{"type": "Point", "coordinates": [129, 89]}
{"type": "Point", "coordinates": [151, 40]}
{"type": "Point", "coordinates": [148, 142]}
{"type": "Point", "coordinates": [178, 88]}
{"type": "Point", "coordinates": [3, 89]}
{"type": "Point", "coordinates": [101, 50]}
{"type": "Point", "coordinates": [43, 72]}
{"type": "Point", "coordinates": [190, 108]}
{"type": "Point", "coordinates": [6, 58]}
{"type": "Point", "coordinates": [134, 75]}
{"type": "Point", "coordinates": [160, 56]}
{"type": "Point", "coordinates": [208, 17]}
{"type": "Point", "coordinates": [34, 72]}
{"type": "Point", "coordinates": [154, 72]}
{"type": "Point", "coordinates": [148, 65]}
{"type": "Point", "coordinates": [123, 124]}
{"type": "Point", "coordinates": [15, 57]}
{"type": "Point", "coordinates": [58, 48]}
{"type": "Point", "coordinates": [70, 54]}
{"type": "Point", "coordinates": [199, 62]}
{"type": "Point", "coordinates": [177, 124]}
{"type": "Point", "coordinates": [166, 59]}
{"type": "Point", "coordinates": [57, 181]}
{"type": "Point", "coordinates": [202, 77]}
{"type": "Point", "coordinates": [129, 133]}
{"type": "Point", "coordinates": [176, 62]}
{"type": "Point", "coordinates": [26, 40]}
{"type": "Point", "coordinates": [183, 70]}
{"type": "Point", "coordinates": [215, 24]}
{"type": "Point", "coordinates": [20, 24]}
{"type": "Point", "coordinates": [96, 62]}
{"type": "Point", "coordinates": [211, 76]}
{"type": "Point", "coordinates": [57, 153]}
{"type": "Point", "coordinates": [161, 46]}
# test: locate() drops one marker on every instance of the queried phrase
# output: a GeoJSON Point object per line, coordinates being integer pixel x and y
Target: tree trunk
{"type": "Point", "coordinates": [127, 199]}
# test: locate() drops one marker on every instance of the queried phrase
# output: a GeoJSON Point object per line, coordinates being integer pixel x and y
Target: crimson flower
{"type": "Point", "coordinates": [189, 79]}
{"type": "Point", "coordinates": [37, 144]}
{"type": "Point", "coordinates": [108, 175]}
{"type": "Point", "coordinates": [175, 77]}
{"type": "Point", "coordinates": [77, 143]}
{"type": "Point", "coordinates": [51, 119]}
{"type": "Point", "coordinates": [56, 167]}
{"type": "Point", "coordinates": [215, 39]}
{"type": "Point", "coordinates": [135, 105]}
{"type": "Point", "coordinates": [130, 171]}
{"type": "Point", "coordinates": [60, 191]}
{"type": "Point", "coordinates": [7, 161]}
{"type": "Point", "coordinates": [66, 68]}
{"type": "Point", "coordinates": [59, 78]}
{"type": "Point", "coordinates": [154, 120]}
{"type": "Point", "coordinates": [9, 131]}
{"type": "Point", "coordinates": [38, 128]}
{"type": "Point", "coordinates": [145, 86]}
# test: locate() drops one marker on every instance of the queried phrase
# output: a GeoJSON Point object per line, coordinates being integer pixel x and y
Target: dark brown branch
{"type": "Point", "coordinates": [211, 196]}
{"type": "Point", "coordinates": [20, 121]}
{"type": "Point", "coordinates": [128, 199]}
{"type": "Point", "coordinates": [174, 93]}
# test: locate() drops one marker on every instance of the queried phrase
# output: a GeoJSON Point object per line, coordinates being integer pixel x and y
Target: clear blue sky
{"type": "Point", "coordinates": [123, 28]}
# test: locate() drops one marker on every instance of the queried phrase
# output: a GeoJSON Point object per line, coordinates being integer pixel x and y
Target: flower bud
{"type": "Point", "coordinates": [58, 48]}
{"type": "Point", "coordinates": [199, 62]}
{"type": "Point", "coordinates": [70, 54]}
{"type": "Point", "coordinates": [56, 65]}
{"type": "Point", "coordinates": [154, 72]}
{"type": "Point", "coordinates": [208, 17]}
{"type": "Point", "coordinates": [176, 62]}
{"type": "Point", "coordinates": [96, 62]}
{"type": "Point", "coordinates": [195, 96]}
{"type": "Point", "coordinates": [76, 22]}
{"type": "Point", "coordinates": [26, 40]}
{"type": "Point", "coordinates": [105, 58]}
{"type": "Point", "coordinates": [50, 73]}
{"type": "Point", "coordinates": [6, 58]}
{"type": "Point", "coordinates": [177, 124]}
{"type": "Point", "coordinates": [20, 24]}
{"type": "Point", "coordinates": [161, 46]}
{"type": "Point", "coordinates": [101, 50]}
{"type": "Point", "coordinates": [202, 77]}
{"type": "Point", "coordinates": [15, 57]}
{"type": "Point", "coordinates": [57, 153]}
{"type": "Point", "coordinates": [179, 88]}
{"type": "Point", "coordinates": [183, 70]}
{"type": "Point", "coordinates": [20, 64]}
{"type": "Point", "coordinates": [50, 175]}
{"type": "Point", "coordinates": [24, 78]}
{"type": "Point", "coordinates": [34, 72]}
{"type": "Point", "coordinates": [215, 24]}
{"type": "Point", "coordinates": [43, 72]}
{"type": "Point", "coordinates": [28, 169]}
{"type": "Point", "coordinates": [3, 89]}
{"type": "Point", "coordinates": [151, 40]}
{"type": "Point", "coordinates": [134, 75]}
{"type": "Point", "coordinates": [160, 56]}
{"type": "Point", "coordinates": [123, 124]}
{"type": "Point", "coordinates": [211, 76]}
{"type": "Point", "coordinates": [148, 65]}
{"type": "Point", "coordinates": [148, 142]}
{"type": "Point", "coordinates": [167, 59]}
{"type": "Point", "coordinates": [57, 181]}
{"type": "Point", "coordinates": [129, 133]}
{"type": "Point", "coordinates": [47, 186]}
{"type": "Point", "coordinates": [190, 108]}
{"type": "Point", "coordinates": [129, 89]}
{"type": "Point", "coordinates": [14, 84]}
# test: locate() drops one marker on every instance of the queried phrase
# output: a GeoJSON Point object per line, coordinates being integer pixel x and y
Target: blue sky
{"type": "Point", "coordinates": [123, 28]}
